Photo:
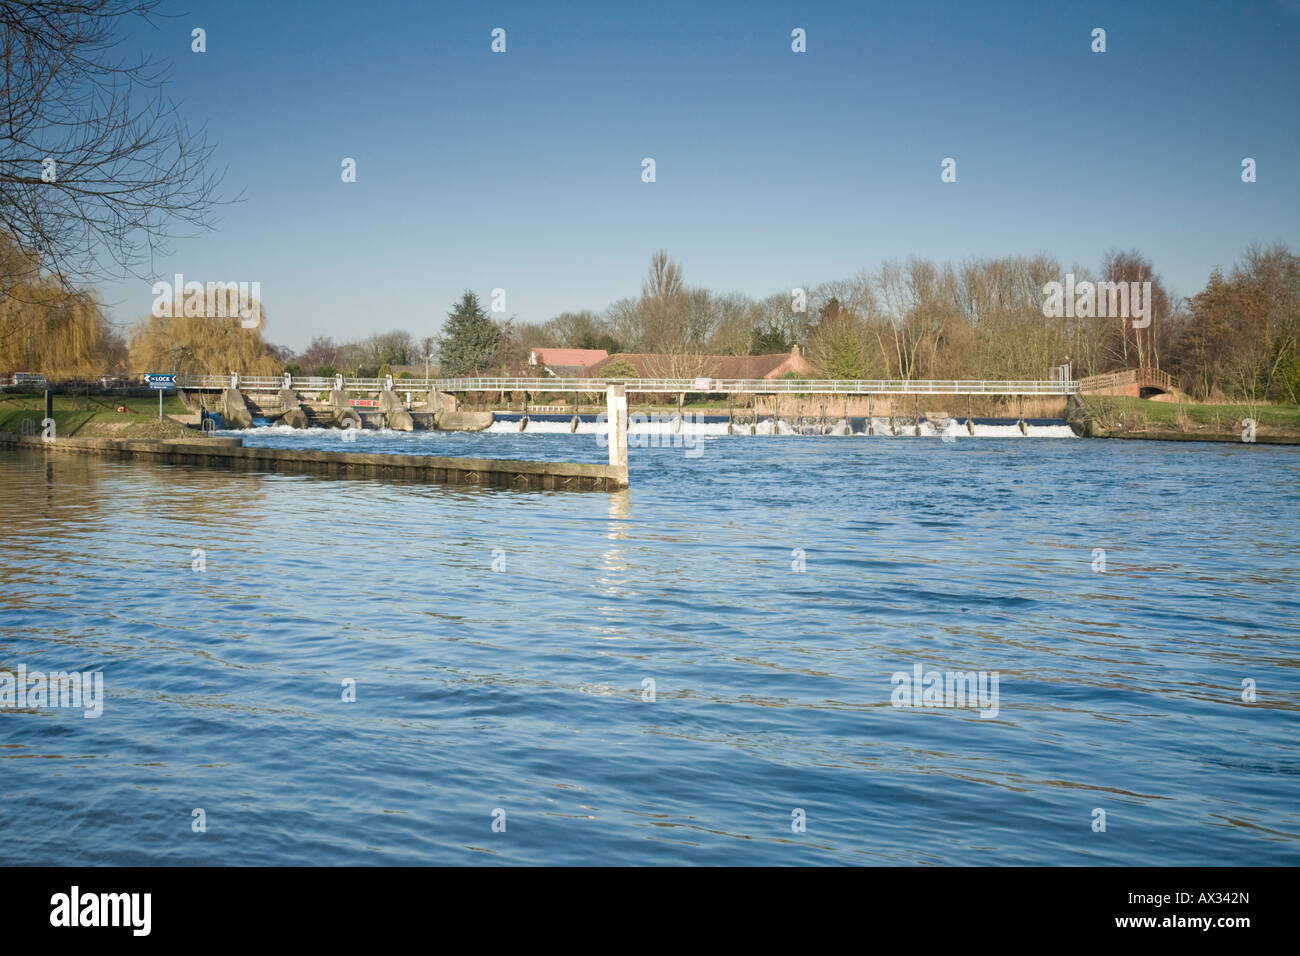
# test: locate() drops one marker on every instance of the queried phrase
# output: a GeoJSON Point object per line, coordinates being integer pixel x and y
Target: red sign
{"type": "Point", "coordinates": [365, 402]}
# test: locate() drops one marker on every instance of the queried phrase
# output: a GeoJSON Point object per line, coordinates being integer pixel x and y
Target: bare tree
{"type": "Point", "coordinates": [97, 167]}
{"type": "Point", "coordinates": [1132, 266]}
{"type": "Point", "coordinates": [664, 283]}
{"type": "Point", "coordinates": [321, 353]}
{"type": "Point", "coordinates": [623, 319]}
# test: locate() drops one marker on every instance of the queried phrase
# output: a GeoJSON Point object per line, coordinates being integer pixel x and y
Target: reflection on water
{"type": "Point", "coordinates": [525, 687]}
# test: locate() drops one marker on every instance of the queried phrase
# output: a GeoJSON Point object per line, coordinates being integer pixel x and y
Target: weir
{"type": "Point", "coordinates": [442, 412]}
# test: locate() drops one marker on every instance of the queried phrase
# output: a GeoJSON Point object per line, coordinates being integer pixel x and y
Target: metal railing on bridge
{"type": "Point", "coordinates": [736, 386]}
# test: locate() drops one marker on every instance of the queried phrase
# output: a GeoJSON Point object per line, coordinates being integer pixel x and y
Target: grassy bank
{"type": "Point", "coordinates": [95, 416]}
{"type": "Point", "coordinates": [1117, 414]}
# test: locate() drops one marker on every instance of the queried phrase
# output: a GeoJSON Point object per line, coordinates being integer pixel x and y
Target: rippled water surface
{"type": "Point", "coordinates": [522, 689]}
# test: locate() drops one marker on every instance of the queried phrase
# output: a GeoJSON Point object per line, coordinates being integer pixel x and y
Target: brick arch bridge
{"type": "Point", "coordinates": [1133, 382]}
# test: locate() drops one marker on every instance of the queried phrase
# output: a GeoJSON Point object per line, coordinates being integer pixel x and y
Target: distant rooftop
{"type": "Point", "coordinates": [649, 365]}
{"type": "Point", "coordinates": [571, 360]}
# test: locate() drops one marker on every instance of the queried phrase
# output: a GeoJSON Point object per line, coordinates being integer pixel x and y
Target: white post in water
{"type": "Point", "coordinates": [616, 404]}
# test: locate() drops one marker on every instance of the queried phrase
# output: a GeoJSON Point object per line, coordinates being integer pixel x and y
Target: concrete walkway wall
{"type": "Point", "coordinates": [230, 453]}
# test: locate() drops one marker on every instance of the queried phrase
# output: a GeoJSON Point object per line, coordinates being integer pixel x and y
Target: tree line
{"type": "Point", "coordinates": [978, 319]}
{"type": "Point", "coordinates": [910, 319]}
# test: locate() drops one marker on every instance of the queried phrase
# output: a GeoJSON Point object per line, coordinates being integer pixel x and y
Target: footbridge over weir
{"type": "Point", "coordinates": [656, 386]}
{"type": "Point", "coordinates": [617, 390]}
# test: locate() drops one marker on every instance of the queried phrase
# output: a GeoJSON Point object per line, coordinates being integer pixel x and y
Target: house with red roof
{"type": "Point", "coordinates": [650, 366]}
{"type": "Point", "coordinates": [565, 363]}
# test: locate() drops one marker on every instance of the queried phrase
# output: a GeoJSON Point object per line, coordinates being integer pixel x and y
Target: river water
{"type": "Point", "coordinates": [707, 668]}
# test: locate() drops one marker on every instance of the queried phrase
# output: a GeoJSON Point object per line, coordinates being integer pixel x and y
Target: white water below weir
{"type": "Point", "coordinates": [949, 428]}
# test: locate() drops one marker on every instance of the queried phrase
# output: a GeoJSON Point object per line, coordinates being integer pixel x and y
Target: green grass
{"type": "Point", "coordinates": [94, 415]}
{"type": "Point", "coordinates": [1138, 413]}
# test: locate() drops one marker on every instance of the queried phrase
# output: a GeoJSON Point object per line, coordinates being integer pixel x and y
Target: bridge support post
{"type": "Point", "coordinates": [871, 428]}
{"type": "Point", "coordinates": [823, 424]}
{"type": "Point", "coordinates": [344, 415]}
{"type": "Point", "coordinates": [970, 422]}
{"type": "Point", "coordinates": [917, 414]}
{"type": "Point", "coordinates": [573, 425]}
{"type": "Point", "coordinates": [616, 407]}
{"type": "Point", "coordinates": [731, 414]}
{"type": "Point", "coordinates": [1020, 401]}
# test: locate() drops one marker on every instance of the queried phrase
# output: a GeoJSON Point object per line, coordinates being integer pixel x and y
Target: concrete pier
{"type": "Point", "coordinates": [232, 454]}
{"type": "Point", "coordinates": [234, 410]}
{"type": "Point", "coordinates": [396, 416]}
{"type": "Point", "coordinates": [616, 418]}
{"type": "Point", "coordinates": [291, 408]}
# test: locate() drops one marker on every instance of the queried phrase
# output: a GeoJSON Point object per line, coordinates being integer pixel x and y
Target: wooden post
{"type": "Point", "coordinates": [731, 414]}
{"type": "Point", "coordinates": [917, 414]}
{"type": "Point", "coordinates": [823, 418]}
{"type": "Point", "coordinates": [970, 423]}
{"type": "Point", "coordinates": [871, 428]}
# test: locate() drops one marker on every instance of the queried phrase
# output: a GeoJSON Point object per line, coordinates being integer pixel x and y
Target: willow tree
{"type": "Point", "coordinates": [45, 327]}
{"type": "Point", "coordinates": [196, 340]}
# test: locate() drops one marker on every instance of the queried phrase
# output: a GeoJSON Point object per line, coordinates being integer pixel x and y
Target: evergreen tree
{"type": "Point", "coordinates": [469, 339]}
{"type": "Point", "coordinates": [769, 340]}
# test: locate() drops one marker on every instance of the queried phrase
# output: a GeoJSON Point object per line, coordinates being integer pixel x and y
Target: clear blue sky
{"type": "Point", "coordinates": [775, 169]}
